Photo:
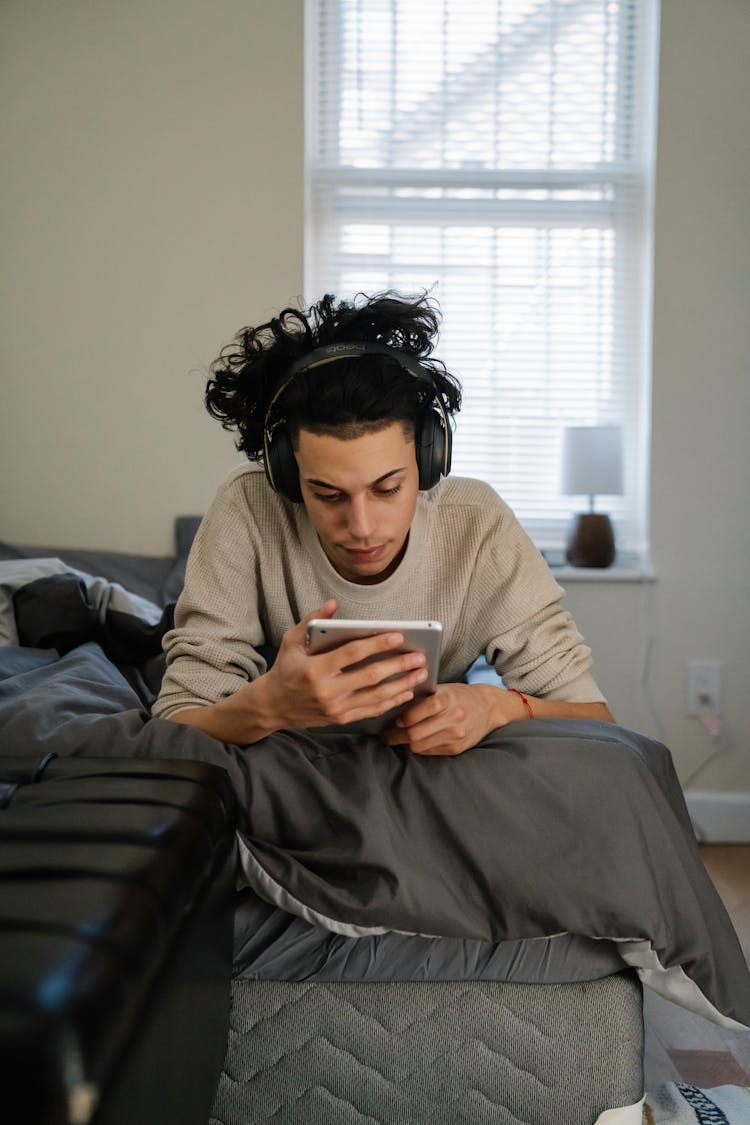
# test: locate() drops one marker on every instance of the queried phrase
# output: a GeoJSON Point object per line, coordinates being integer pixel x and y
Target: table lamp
{"type": "Point", "coordinates": [591, 466]}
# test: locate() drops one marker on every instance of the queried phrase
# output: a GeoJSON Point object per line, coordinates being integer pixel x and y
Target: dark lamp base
{"type": "Point", "coordinates": [591, 541]}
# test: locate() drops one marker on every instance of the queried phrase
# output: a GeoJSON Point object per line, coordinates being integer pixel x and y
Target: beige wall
{"type": "Point", "coordinates": [153, 203]}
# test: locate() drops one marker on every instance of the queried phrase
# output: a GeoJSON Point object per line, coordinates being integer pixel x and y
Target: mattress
{"type": "Point", "coordinates": [448, 1053]}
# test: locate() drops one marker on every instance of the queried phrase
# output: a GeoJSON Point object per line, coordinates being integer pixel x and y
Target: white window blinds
{"type": "Point", "coordinates": [500, 154]}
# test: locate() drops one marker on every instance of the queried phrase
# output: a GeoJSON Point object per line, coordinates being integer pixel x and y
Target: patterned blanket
{"type": "Point", "coordinates": [678, 1104]}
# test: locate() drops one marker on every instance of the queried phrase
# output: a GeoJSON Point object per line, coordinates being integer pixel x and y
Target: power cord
{"type": "Point", "coordinates": [713, 727]}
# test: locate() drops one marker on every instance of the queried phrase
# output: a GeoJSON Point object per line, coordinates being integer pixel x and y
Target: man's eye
{"type": "Point", "coordinates": [328, 497]}
{"type": "Point", "coordinates": [389, 491]}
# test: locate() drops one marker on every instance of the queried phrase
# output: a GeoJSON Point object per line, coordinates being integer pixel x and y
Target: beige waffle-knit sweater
{"type": "Point", "coordinates": [257, 567]}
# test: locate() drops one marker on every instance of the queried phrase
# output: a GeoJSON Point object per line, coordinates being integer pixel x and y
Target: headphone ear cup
{"type": "Point", "coordinates": [433, 449]}
{"type": "Point", "coordinates": [281, 468]}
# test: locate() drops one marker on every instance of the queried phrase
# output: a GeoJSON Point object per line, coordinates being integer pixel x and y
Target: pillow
{"type": "Point", "coordinates": [185, 529]}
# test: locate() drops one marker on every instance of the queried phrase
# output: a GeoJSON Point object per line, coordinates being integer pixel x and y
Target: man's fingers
{"type": "Point", "coordinates": [373, 686]}
{"type": "Point", "coordinates": [362, 712]}
{"type": "Point", "coordinates": [380, 684]}
{"type": "Point", "coordinates": [326, 610]}
{"type": "Point", "coordinates": [433, 705]}
{"type": "Point", "coordinates": [354, 652]}
{"type": "Point", "coordinates": [433, 725]}
{"type": "Point", "coordinates": [299, 631]}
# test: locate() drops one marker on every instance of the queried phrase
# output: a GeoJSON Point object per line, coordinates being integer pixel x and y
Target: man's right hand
{"type": "Point", "coordinates": [301, 690]}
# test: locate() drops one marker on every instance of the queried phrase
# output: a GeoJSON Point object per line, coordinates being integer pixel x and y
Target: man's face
{"type": "Point", "coordinates": [361, 495]}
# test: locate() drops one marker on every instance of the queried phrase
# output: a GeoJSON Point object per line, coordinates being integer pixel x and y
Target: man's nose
{"type": "Point", "coordinates": [359, 518]}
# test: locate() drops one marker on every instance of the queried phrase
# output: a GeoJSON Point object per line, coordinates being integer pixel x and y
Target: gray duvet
{"type": "Point", "coordinates": [547, 827]}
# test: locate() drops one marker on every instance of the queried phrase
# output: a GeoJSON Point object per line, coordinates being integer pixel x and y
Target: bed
{"type": "Point", "coordinates": [403, 951]}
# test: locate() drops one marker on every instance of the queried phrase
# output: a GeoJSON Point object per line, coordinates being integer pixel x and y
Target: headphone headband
{"type": "Point", "coordinates": [330, 353]}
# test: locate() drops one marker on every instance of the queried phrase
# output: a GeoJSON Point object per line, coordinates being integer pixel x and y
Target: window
{"type": "Point", "coordinates": [500, 154]}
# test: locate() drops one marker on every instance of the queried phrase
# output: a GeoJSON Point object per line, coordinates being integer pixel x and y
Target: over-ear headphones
{"type": "Point", "coordinates": [433, 436]}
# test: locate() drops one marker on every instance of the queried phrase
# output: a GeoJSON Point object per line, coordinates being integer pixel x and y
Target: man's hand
{"type": "Point", "coordinates": [458, 716]}
{"type": "Point", "coordinates": [453, 719]}
{"type": "Point", "coordinates": [300, 690]}
{"type": "Point", "coordinates": [311, 691]}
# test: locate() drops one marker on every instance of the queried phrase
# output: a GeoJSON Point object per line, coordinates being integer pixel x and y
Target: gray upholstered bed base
{"type": "Point", "coordinates": [446, 1053]}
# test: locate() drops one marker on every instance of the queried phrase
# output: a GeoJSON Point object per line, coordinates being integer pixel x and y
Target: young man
{"type": "Point", "coordinates": [353, 516]}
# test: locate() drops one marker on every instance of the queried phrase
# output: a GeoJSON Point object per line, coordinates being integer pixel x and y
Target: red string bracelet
{"type": "Point", "coordinates": [524, 700]}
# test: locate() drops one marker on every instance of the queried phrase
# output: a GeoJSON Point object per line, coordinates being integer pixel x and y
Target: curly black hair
{"type": "Point", "coordinates": [348, 396]}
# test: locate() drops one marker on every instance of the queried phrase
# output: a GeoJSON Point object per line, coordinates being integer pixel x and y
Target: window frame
{"type": "Point", "coordinates": [628, 212]}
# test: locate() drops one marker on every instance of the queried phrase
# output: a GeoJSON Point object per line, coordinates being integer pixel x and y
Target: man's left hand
{"type": "Point", "coordinates": [453, 719]}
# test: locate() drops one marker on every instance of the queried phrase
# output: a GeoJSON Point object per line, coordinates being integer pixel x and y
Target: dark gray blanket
{"type": "Point", "coordinates": [547, 827]}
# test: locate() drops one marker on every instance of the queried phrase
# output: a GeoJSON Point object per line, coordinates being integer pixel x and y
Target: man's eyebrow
{"type": "Point", "coordinates": [335, 487]}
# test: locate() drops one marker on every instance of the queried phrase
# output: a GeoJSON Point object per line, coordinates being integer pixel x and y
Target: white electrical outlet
{"type": "Point", "coordinates": [704, 687]}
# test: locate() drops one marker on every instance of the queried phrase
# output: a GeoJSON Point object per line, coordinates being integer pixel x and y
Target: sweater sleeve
{"type": "Point", "coordinates": [532, 641]}
{"type": "Point", "coordinates": [211, 651]}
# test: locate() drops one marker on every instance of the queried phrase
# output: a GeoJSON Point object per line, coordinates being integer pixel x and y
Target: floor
{"type": "Point", "coordinates": [680, 1046]}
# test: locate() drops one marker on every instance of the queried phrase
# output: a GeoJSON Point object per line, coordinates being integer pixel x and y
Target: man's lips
{"type": "Point", "coordinates": [365, 554]}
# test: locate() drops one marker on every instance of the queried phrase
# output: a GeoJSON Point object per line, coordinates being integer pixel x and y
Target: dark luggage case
{"type": "Point", "coordinates": [116, 882]}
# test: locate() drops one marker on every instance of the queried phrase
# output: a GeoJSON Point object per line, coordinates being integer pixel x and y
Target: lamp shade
{"type": "Point", "coordinates": [592, 461]}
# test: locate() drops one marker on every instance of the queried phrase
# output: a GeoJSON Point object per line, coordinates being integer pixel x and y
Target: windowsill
{"type": "Point", "coordinates": [604, 574]}
{"type": "Point", "coordinates": [628, 567]}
